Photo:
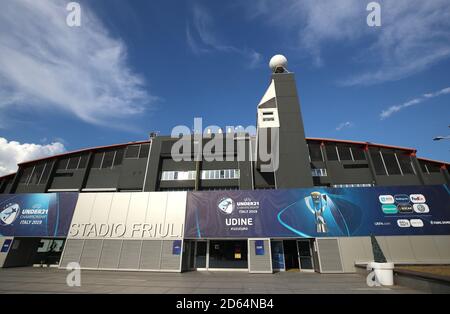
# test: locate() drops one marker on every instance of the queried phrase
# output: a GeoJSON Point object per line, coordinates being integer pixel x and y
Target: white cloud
{"type": "Point", "coordinates": [201, 38]}
{"type": "Point", "coordinates": [344, 125]}
{"type": "Point", "coordinates": [47, 65]}
{"type": "Point", "coordinates": [396, 108]}
{"type": "Point", "coordinates": [12, 153]}
{"type": "Point", "coordinates": [414, 33]}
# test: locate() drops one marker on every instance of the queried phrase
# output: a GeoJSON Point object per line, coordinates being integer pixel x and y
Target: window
{"type": "Point", "coordinates": [178, 175]}
{"type": "Point", "coordinates": [220, 174]}
{"type": "Point", "coordinates": [26, 175]}
{"type": "Point", "coordinates": [119, 157]}
{"type": "Point", "coordinates": [357, 185]}
{"type": "Point", "coordinates": [315, 152]}
{"type": "Point", "coordinates": [423, 166]}
{"type": "Point", "coordinates": [145, 148]}
{"type": "Point", "coordinates": [391, 163]}
{"type": "Point", "coordinates": [319, 172]}
{"type": "Point", "coordinates": [405, 164]}
{"type": "Point", "coordinates": [132, 151]}
{"type": "Point", "coordinates": [331, 152]}
{"type": "Point", "coordinates": [98, 157]}
{"type": "Point", "coordinates": [433, 167]}
{"type": "Point", "coordinates": [46, 173]}
{"type": "Point", "coordinates": [356, 166]}
{"type": "Point", "coordinates": [62, 164]}
{"type": "Point", "coordinates": [73, 163]}
{"type": "Point", "coordinates": [377, 162]}
{"type": "Point", "coordinates": [108, 159]}
{"type": "Point", "coordinates": [344, 152]}
{"type": "Point", "coordinates": [37, 172]}
{"type": "Point", "coordinates": [83, 161]}
{"type": "Point", "coordinates": [358, 153]}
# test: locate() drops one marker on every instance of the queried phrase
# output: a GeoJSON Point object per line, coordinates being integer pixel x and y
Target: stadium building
{"type": "Point", "coordinates": [132, 206]}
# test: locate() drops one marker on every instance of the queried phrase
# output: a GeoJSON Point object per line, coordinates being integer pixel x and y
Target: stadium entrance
{"type": "Point", "coordinates": [28, 251]}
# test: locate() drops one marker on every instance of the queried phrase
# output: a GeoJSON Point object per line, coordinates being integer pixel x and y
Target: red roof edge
{"type": "Point", "coordinates": [8, 175]}
{"type": "Point", "coordinates": [361, 143]}
{"type": "Point", "coordinates": [84, 150]}
{"type": "Point", "coordinates": [433, 160]}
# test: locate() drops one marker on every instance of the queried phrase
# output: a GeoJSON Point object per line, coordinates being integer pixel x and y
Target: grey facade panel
{"type": "Point", "coordinates": [130, 254]}
{"type": "Point", "coordinates": [339, 175]}
{"type": "Point", "coordinates": [110, 254]}
{"type": "Point", "coordinates": [443, 247]}
{"type": "Point", "coordinates": [434, 179]}
{"type": "Point", "coordinates": [397, 180]}
{"type": "Point", "coordinates": [150, 255]}
{"type": "Point", "coordinates": [425, 249]}
{"type": "Point", "coordinates": [132, 174]}
{"type": "Point", "coordinates": [103, 178]}
{"type": "Point", "coordinates": [355, 250]}
{"type": "Point", "coordinates": [294, 169]}
{"type": "Point", "coordinates": [91, 253]}
{"type": "Point", "coordinates": [72, 252]}
{"type": "Point", "coordinates": [32, 188]}
{"type": "Point", "coordinates": [169, 261]}
{"type": "Point", "coordinates": [400, 249]}
{"type": "Point", "coordinates": [259, 263]}
{"type": "Point", "coordinates": [329, 255]}
{"type": "Point", "coordinates": [68, 179]}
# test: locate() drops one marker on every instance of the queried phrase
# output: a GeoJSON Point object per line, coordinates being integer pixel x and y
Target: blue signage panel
{"type": "Point", "coordinates": [5, 246]}
{"type": "Point", "coordinates": [36, 215]}
{"type": "Point", "coordinates": [319, 212]}
{"type": "Point", "coordinates": [176, 248]}
{"type": "Point", "coordinates": [259, 247]}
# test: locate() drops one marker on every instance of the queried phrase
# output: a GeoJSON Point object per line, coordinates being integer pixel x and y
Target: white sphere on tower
{"type": "Point", "coordinates": [278, 61]}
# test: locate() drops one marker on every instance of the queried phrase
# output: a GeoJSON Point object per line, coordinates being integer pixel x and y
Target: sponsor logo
{"type": "Point", "coordinates": [403, 223]}
{"type": "Point", "coordinates": [421, 208]}
{"type": "Point", "coordinates": [386, 199]}
{"type": "Point", "coordinates": [405, 208]}
{"type": "Point", "coordinates": [417, 223]}
{"type": "Point", "coordinates": [9, 214]}
{"type": "Point", "coordinates": [401, 199]}
{"type": "Point", "coordinates": [226, 205]}
{"type": "Point", "coordinates": [389, 209]}
{"type": "Point", "coordinates": [417, 198]}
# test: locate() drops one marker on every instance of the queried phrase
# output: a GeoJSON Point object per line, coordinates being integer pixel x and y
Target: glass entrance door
{"type": "Point", "coordinates": [305, 255]}
{"type": "Point", "coordinates": [200, 254]}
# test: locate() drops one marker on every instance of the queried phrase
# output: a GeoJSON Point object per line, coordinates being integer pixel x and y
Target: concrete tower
{"type": "Point", "coordinates": [280, 118]}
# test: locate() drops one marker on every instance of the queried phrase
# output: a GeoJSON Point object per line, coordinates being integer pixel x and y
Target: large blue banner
{"type": "Point", "coordinates": [36, 215]}
{"type": "Point", "coordinates": [319, 212]}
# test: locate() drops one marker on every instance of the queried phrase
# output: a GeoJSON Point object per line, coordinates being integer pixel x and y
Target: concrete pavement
{"type": "Point", "coordinates": [51, 280]}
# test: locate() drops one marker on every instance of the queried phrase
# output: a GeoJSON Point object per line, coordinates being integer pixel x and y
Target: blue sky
{"type": "Point", "coordinates": [140, 66]}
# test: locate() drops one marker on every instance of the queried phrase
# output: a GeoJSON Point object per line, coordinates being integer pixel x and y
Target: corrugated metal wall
{"type": "Point", "coordinates": [259, 263]}
{"type": "Point", "coordinates": [150, 255]}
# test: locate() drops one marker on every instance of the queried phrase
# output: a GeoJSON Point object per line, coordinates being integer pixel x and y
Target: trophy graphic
{"type": "Point", "coordinates": [319, 205]}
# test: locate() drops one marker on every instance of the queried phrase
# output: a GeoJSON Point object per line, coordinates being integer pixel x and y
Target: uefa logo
{"type": "Point", "coordinates": [226, 205]}
{"type": "Point", "coordinates": [9, 214]}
